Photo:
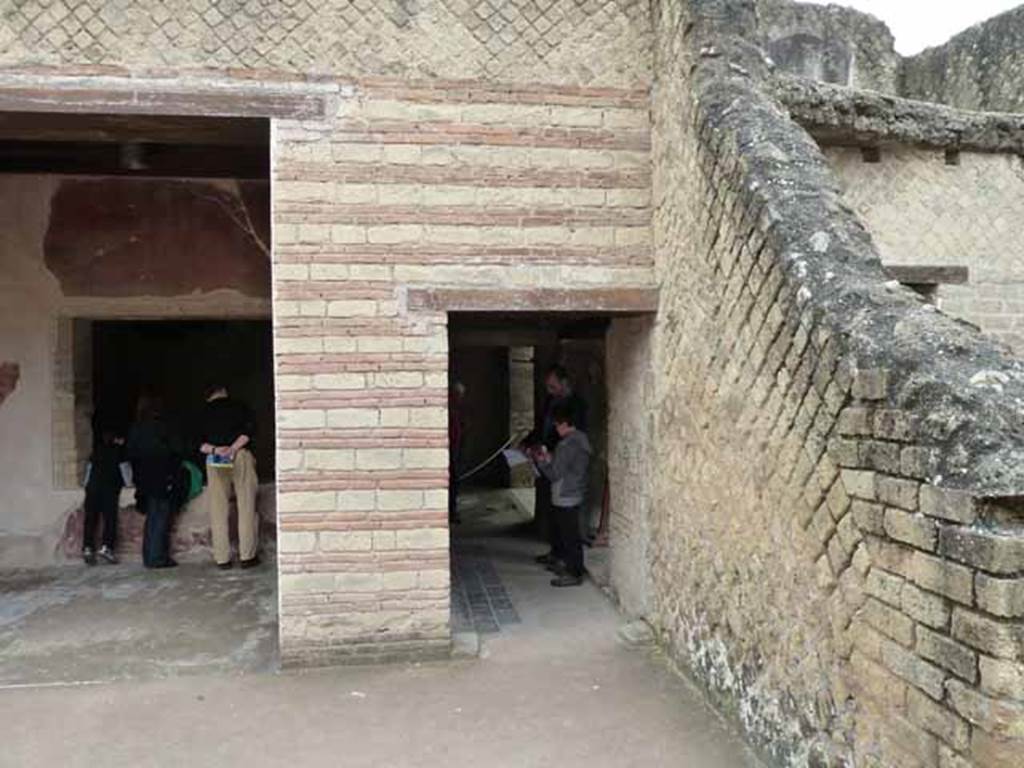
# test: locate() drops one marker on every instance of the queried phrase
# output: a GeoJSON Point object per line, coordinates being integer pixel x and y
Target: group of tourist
{"type": "Point", "coordinates": [561, 452]}
{"type": "Point", "coordinates": [167, 469]}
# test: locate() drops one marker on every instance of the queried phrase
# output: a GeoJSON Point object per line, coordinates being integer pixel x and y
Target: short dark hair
{"type": "Point", "coordinates": [559, 372]}
{"type": "Point", "coordinates": [150, 406]}
{"type": "Point", "coordinates": [562, 414]}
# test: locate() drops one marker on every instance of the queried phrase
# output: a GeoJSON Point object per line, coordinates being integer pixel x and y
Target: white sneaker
{"type": "Point", "coordinates": [108, 555]}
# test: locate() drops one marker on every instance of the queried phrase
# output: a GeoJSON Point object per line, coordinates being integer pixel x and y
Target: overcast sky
{"type": "Point", "coordinates": [919, 24]}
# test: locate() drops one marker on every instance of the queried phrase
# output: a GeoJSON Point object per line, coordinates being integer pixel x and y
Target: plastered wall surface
{"type": "Point", "coordinates": [922, 211]}
{"type": "Point", "coordinates": [42, 446]}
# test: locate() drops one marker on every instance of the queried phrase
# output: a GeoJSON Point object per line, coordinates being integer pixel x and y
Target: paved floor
{"type": "Point", "coordinates": [555, 688]}
{"type": "Point", "coordinates": [75, 624]}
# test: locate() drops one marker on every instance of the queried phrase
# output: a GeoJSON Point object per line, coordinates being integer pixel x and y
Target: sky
{"type": "Point", "coordinates": [920, 24]}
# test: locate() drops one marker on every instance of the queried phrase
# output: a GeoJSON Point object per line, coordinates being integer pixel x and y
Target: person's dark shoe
{"type": "Point", "coordinates": [168, 563]}
{"type": "Point", "coordinates": [547, 558]}
{"type": "Point", "coordinates": [225, 566]}
{"type": "Point", "coordinates": [249, 563]}
{"type": "Point", "coordinates": [107, 555]}
{"type": "Point", "coordinates": [89, 556]}
{"type": "Point", "coordinates": [567, 580]}
{"type": "Point", "coordinates": [557, 567]}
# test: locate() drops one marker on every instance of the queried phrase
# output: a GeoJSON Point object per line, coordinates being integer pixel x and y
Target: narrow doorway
{"type": "Point", "coordinates": [501, 367]}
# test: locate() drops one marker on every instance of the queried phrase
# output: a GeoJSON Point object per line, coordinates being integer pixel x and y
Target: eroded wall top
{"type": "Point", "coordinates": [829, 43]}
{"type": "Point", "coordinates": [584, 42]}
{"type": "Point", "coordinates": [982, 68]}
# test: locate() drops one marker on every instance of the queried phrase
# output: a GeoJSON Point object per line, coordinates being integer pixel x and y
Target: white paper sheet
{"type": "Point", "coordinates": [515, 457]}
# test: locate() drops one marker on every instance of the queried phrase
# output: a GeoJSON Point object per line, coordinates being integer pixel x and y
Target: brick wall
{"type": "Point", "coordinates": [407, 187]}
{"type": "Point", "coordinates": [821, 551]}
{"type": "Point", "coordinates": [921, 210]}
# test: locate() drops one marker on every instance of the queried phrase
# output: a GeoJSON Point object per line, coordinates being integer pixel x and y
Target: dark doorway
{"type": "Point", "coordinates": [483, 373]}
{"type": "Point", "coordinates": [178, 360]}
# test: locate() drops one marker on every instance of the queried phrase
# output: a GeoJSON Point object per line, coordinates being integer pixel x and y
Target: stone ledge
{"type": "Point", "coordinates": [839, 115]}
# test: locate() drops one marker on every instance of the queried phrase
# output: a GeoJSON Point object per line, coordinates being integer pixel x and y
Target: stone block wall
{"type": "Point", "coordinates": [921, 209]}
{"type": "Point", "coordinates": [825, 445]}
{"type": "Point", "coordinates": [410, 192]}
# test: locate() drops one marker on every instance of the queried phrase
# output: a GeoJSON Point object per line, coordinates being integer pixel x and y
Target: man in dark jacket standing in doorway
{"type": "Point", "coordinates": [560, 394]}
{"type": "Point", "coordinates": [226, 429]}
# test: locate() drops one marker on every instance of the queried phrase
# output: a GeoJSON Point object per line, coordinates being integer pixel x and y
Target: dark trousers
{"type": "Point", "coordinates": [101, 503]}
{"type": "Point", "coordinates": [453, 487]}
{"type": "Point", "coordinates": [543, 514]}
{"type": "Point", "coordinates": [568, 543]}
{"type": "Point", "coordinates": [156, 536]}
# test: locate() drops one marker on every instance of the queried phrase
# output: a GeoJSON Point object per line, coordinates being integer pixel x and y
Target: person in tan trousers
{"type": "Point", "coordinates": [225, 431]}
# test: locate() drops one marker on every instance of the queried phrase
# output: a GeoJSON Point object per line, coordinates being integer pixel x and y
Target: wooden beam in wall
{"type": "Point", "coordinates": [149, 129]}
{"type": "Point", "coordinates": [149, 160]}
{"type": "Point", "coordinates": [199, 100]}
{"type": "Point", "coordinates": [928, 275]}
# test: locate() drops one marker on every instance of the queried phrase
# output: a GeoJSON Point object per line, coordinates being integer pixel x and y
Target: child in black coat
{"type": "Point", "coordinates": [102, 492]}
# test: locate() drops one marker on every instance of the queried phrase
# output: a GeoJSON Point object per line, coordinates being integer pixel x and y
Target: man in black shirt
{"type": "Point", "coordinates": [226, 429]}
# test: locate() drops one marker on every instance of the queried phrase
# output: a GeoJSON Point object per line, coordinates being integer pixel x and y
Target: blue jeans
{"type": "Point", "coordinates": [156, 536]}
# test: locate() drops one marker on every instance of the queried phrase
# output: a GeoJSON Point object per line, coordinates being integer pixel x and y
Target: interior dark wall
{"type": "Point", "coordinates": [178, 360]}
{"type": "Point", "coordinates": [158, 237]}
{"type": "Point", "coordinates": [584, 359]}
{"type": "Point", "coordinates": [484, 373]}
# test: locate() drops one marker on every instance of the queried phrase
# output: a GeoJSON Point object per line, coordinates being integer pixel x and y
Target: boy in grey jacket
{"type": "Point", "coordinates": [567, 470]}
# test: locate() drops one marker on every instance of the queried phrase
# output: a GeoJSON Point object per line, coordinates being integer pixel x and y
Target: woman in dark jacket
{"type": "Point", "coordinates": [102, 491]}
{"type": "Point", "coordinates": [155, 451]}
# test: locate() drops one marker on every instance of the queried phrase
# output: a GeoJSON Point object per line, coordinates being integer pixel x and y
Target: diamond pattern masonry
{"type": "Point", "coordinates": [573, 41]}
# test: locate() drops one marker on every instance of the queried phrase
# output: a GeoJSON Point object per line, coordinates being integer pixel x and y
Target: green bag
{"type": "Point", "coordinates": [195, 480]}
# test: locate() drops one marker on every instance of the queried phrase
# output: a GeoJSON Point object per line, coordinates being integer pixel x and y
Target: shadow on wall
{"type": "Point", "coordinates": [9, 375]}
